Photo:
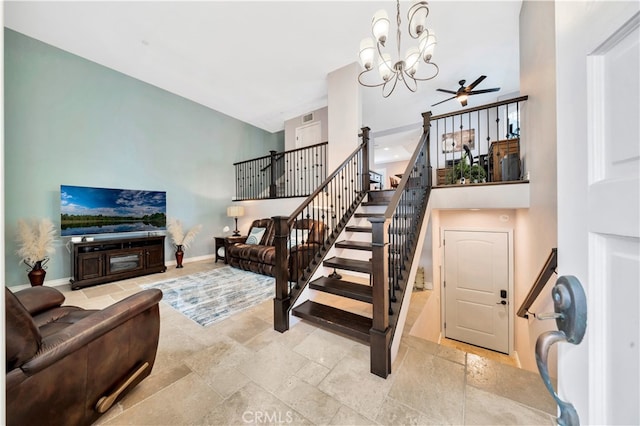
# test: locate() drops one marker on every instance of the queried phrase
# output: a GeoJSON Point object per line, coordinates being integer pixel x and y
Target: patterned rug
{"type": "Point", "coordinates": [211, 296]}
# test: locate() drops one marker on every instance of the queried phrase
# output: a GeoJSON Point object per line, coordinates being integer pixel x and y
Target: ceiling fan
{"type": "Point", "coordinates": [464, 92]}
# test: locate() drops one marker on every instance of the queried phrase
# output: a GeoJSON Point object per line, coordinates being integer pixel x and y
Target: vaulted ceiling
{"type": "Point", "coordinates": [264, 62]}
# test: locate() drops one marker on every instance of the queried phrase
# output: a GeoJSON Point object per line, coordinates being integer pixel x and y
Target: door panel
{"type": "Point", "coordinates": [598, 82]}
{"type": "Point", "coordinates": [476, 269]}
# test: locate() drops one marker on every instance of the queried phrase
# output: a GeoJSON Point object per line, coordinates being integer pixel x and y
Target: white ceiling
{"type": "Point", "coordinates": [265, 62]}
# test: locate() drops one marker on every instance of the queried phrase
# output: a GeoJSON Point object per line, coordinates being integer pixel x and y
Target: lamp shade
{"type": "Point", "coordinates": [367, 53]}
{"type": "Point", "coordinates": [235, 211]}
{"type": "Point", "coordinates": [380, 26]}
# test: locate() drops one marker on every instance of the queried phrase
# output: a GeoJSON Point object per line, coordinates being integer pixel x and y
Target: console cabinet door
{"type": "Point", "coordinates": [126, 260]}
{"type": "Point", "coordinates": [155, 256]}
{"type": "Point", "coordinates": [90, 265]}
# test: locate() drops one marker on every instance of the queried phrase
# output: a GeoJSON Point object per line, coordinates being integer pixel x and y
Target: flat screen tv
{"type": "Point", "coordinates": [85, 210]}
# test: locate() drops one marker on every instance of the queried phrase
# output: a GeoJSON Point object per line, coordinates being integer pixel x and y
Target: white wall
{"type": "Point", "coordinates": [345, 113]}
{"type": "Point", "coordinates": [536, 228]}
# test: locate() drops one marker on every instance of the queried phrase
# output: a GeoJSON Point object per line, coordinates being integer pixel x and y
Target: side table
{"type": "Point", "coordinates": [219, 249]}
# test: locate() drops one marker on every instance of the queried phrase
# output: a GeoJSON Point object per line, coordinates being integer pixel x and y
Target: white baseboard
{"type": "Point", "coordinates": [517, 358]}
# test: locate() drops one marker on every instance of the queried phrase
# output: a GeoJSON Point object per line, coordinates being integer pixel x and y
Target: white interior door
{"type": "Point", "coordinates": [476, 288]}
{"type": "Point", "coordinates": [598, 87]}
{"type": "Point", "coordinates": [308, 135]}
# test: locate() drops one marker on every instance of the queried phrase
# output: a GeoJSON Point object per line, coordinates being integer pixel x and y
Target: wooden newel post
{"type": "Point", "coordinates": [366, 183]}
{"type": "Point", "coordinates": [272, 183]}
{"type": "Point", "coordinates": [380, 333]}
{"type": "Point", "coordinates": [281, 302]}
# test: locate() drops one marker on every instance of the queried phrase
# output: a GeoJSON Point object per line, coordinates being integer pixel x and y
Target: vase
{"type": "Point", "coordinates": [179, 256]}
{"type": "Point", "coordinates": [36, 275]}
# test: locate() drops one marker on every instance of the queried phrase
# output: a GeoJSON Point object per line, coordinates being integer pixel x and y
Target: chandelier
{"type": "Point", "coordinates": [405, 70]}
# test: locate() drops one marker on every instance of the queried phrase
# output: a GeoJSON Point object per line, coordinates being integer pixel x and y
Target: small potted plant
{"type": "Point", "coordinates": [463, 171]}
{"type": "Point", "coordinates": [180, 239]}
{"type": "Point", "coordinates": [35, 242]}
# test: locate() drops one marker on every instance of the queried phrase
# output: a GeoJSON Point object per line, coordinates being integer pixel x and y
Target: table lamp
{"type": "Point", "coordinates": [235, 212]}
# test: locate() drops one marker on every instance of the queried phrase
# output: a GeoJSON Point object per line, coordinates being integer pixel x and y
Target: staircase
{"type": "Point", "coordinates": [352, 259]}
{"type": "Point", "coordinates": [375, 239]}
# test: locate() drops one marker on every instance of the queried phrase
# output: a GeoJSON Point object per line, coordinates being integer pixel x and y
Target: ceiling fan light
{"type": "Point", "coordinates": [462, 98]}
{"type": "Point", "coordinates": [427, 44]}
{"type": "Point", "coordinates": [367, 53]}
{"type": "Point", "coordinates": [412, 60]}
{"type": "Point", "coordinates": [417, 16]}
{"type": "Point", "coordinates": [380, 26]}
{"type": "Point", "coordinates": [385, 67]}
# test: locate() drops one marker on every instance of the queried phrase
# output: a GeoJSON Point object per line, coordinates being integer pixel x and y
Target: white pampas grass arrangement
{"type": "Point", "coordinates": [35, 241]}
{"type": "Point", "coordinates": [174, 226]}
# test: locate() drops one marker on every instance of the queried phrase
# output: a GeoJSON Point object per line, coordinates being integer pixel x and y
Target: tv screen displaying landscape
{"type": "Point", "coordinates": [85, 210]}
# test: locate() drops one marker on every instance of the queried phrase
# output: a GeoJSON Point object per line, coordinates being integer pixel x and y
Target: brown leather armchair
{"type": "Point", "coordinates": [67, 365]}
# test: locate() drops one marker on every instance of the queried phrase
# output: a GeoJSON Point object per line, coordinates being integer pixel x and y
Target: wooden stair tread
{"type": "Point", "coordinates": [351, 324]}
{"type": "Point", "coordinates": [358, 229]}
{"type": "Point", "coordinates": [376, 203]}
{"type": "Point", "coordinates": [363, 266]}
{"type": "Point", "coordinates": [366, 215]}
{"type": "Point", "coordinates": [354, 245]}
{"type": "Point", "coordinates": [343, 288]}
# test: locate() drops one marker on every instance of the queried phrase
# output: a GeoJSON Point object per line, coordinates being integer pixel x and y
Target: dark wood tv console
{"type": "Point", "coordinates": [101, 261]}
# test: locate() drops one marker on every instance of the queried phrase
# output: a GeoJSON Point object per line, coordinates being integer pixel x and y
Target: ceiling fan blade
{"type": "Point", "coordinates": [475, 83]}
{"type": "Point", "coordinates": [447, 91]}
{"type": "Point", "coordinates": [477, 92]}
{"type": "Point", "coordinates": [448, 99]}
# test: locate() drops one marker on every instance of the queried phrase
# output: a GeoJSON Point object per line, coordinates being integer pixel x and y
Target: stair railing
{"type": "Point", "coordinates": [324, 214]}
{"type": "Point", "coordinates": [394, 241]}
{"type": "Point", "coordinates": [547, 270]}
{"type": "Point", "coordinates": [293, 173]}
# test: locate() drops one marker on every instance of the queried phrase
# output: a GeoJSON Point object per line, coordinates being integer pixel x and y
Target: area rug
{"type": "Point", "coordinates": [211, 296]}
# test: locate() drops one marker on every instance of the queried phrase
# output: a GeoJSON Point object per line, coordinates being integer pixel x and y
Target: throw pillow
{"type": "Point", "coordinates": [255, 236]}
{"type": "Point", "coordinates": [297, 237]}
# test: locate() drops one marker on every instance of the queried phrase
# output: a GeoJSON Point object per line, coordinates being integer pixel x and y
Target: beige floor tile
{"type": "Point", "coordinates": [312, 403]}
{"type": "Point", "coordinates": [244, 329]}
{"type": "Point", "coordinates": [431, 385]}
{"type": "Point", "coordinates": [184, 402]}
{"type": "Point", "coordinates": [351, 383]}
{"type": "Point", "coordinates": [253, 405]}
{"type": "Point", "coordinates": [312, 373]}
{"type": "Point", "coordinates": [348, 417]}
{"type": "Point", "coordinates": [510, 382]}
{"type": "Point", "coordinates": [325, 348]}
{"type": "Point", "coordinates": [484, 408]}
{"type": "Point", "coordinates": [272, 365]}
{"type": "Point", "coordinates": [396, 413]}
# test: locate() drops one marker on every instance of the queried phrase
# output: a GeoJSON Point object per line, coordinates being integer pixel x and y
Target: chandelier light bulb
{"type": "Point", "coordinates": [380, 26]}
{"type": "Point", "coordinates": [385, 66]}
{"type": "Point", "coordinates": [427, 44]}
{"type": "Point", "coordinates": [417, 18]}
{"type": "Point", "coordinates": [412, 60]}
{"type": "Point", "coordinates": [367, 53]}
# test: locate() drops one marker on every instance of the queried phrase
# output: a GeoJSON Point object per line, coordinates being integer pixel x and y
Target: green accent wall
{"type": "Point", "coordinates": [70, 121]}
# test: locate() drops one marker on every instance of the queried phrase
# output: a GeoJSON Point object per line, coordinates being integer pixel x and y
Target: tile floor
{"type": "Point", "coordinates": [240, 371]}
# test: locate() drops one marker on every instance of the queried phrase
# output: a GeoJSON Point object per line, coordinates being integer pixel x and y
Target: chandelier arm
{"type": "Point", "coordinates": [366, 84]}
{"type": "Point", "coordinates": [428, 78]}
{"type": "Point", "coordinates": [395, 81]}
{"type": "Point", "coordinates": [412, 12]}
{"type": "Point", "coordinates": [407, 77]}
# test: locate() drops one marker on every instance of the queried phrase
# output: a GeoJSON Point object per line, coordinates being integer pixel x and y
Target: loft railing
{"type": "Point", "coordinates": [547, 270]}
{"type": "Point", "coordinates": [293, 173]}
{"type": "Point", "coordinates": [487, 138]}
{"type": "Point", "coordinates": [324, 214]}
{"type": "Point", "coordinates": [394, 241]}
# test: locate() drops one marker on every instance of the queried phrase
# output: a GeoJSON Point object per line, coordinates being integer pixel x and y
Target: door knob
{"type": "Point", "coordinates": [502, 302]}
